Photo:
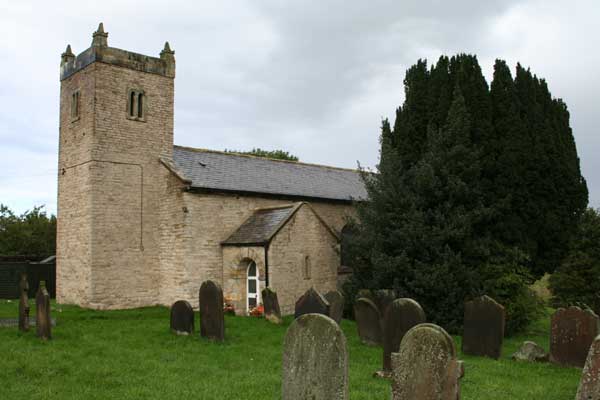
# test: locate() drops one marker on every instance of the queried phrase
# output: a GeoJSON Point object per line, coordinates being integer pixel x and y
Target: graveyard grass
{"type": "Point", "coordinates": [132, 355]}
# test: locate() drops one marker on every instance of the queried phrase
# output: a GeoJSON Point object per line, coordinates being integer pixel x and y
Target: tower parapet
{"type": "Point", "coordinates": [100, 52]}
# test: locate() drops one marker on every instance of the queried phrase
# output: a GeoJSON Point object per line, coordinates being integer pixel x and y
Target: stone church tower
{"type": "Point", "coordinates": [116, 122]}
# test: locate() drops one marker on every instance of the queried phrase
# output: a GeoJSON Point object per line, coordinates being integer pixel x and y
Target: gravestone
{"type": "Point", "coordinates": [311, 302]}
{"type": "Point", "coordinates": [383, 298]}
{"type": "Point", "coordinates": [368, 322]}
{"type": "Point", "coordinates": [182, 318]}
{"type": "Point", "coordinates": [271, 305]}
{"type": "Point", "coordinates": [336, 305]}
{"type": "Point", "coordinates": [572, 331]}
{"type": "Point", "coordinates": [212, 319]}
{"type": "Point", "coordinates": [315, 360]}
{"type": "Point", "coordinates": [42, 318]}
{"type": "Point", "coordinates": [531, 352]}
{"type": "Point", "coordinates": [23, 303]}
{"type": "Point", "coordinates": [426, 367]}
{"type": "Point", "coordinates": [589, 385]}
{"type": "Point", "coordinates": [400, 317]}
{"type": "Point", "coordinates": [483, 327]}
{"type": "Point", "coordinates": [366, 294]}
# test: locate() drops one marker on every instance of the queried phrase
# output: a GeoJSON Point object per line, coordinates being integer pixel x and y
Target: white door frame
{"type": "Point", "coordinates": [253, 278]}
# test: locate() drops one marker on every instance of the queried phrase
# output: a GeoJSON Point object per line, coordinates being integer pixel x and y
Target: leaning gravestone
{"type": "Point", "coordinates": [426, 367]}
{"type": "Point", "coordinates": [572, 331]}
{"type": "Point", "coordinates": [400, 317]}
{"type": "Point", "coordinates": [315, 360]}
{"type": "Point", "coordinates": [212, 320]}
{"type": "Point", "coordinates": [311, 302]}
{"type": "Point", "coordinates": [336, 305]}
{"type": "Point", "coordinates": [383, 298]}
{"type": "Point", "coordinates": [368, 322]}
{"type": "Point", "coordinates": [271, 305]}
{"type": "Point", "coordinates": [42, 318]}
{"type": "Point", "coordinates": [483, 327]}
{"type": "Point", "coordinates": [23, 303]}
{"type": "Point", "coordinates": [182, 318]}
{"type": "Point", "coordinates": [589, 385]}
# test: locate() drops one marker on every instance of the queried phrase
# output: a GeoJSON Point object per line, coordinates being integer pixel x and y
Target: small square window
{"type": "Point", "coordinates": [136, 105]}
{"type": "Point", "coordinates": [75, 106]}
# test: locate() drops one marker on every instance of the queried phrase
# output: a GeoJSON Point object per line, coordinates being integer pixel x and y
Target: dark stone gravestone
{"type": "Point", "coordinates": [572, 331]}
{"type": "Point", "coordinates": [182, 318]}
{"type": "Point", "coordinates": [383, 298]}
{"type": "Point", "coordinates": [271, 305]}
{"type": "Point", "coordinates": [368, 322]}
{"type": "Point", "coordinates": [315, 360]}
{"type": "Point", "coordinates": [336, 305]}
{"type": "Point", "coordinates": [426, 367]}
{"type": "Point", "coordinates": [589, 385]}
{"type": "Point", "coordinates": [42, 318]}
{"type": "Point", "coordinates": [212, 319]}
{"type": "Point", "coordinates": [311, 302]}
{"type": "Point", "coordinates": [366, 294]}
{"type": "Point", "coordinates": [483, 327]}
{"type": "Point", "coordinates": [401, 316]}
{"type": "Point", "coordinates": [23, 303]}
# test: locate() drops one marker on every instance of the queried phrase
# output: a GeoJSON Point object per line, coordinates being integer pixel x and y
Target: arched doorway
{"type": "Point", "coordinates": [252, 287]}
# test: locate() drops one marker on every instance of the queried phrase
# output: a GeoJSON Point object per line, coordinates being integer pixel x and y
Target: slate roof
{"type": "Point", "coordinates": [260, 228]}
{"type": "Point", "coordinates": [240, 173]}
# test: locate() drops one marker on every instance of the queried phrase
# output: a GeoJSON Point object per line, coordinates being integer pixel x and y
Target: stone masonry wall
{"type": "Point", "coordinates": [209, 220]}
{"type": "Point", "coordinates": [304, 236]}
{"type": "Point", "coordinates": [120, 226]}
{"type": "Point", "coordinates": [74, 223]}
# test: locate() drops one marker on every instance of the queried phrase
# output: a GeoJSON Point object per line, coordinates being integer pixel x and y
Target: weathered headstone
{"type": "Point", "coordinates": [530, 351]}
{"type": "Point", "coordinates": [271, 305]}
{"type": "Point", "coordinates": [182, 318]}
{"type": "Point", "coordinates": [401, 316]}
{"type": "Point", "coordinates": [23, 303]}
{"type": "Point", "coordinates": [366, 294]}
{"type": "Point", "coordinates": [368, 322]}
{"type": "Point", "coordinates": [589, 385]}
{"type": "Point", "coordinates": [426, 367]}
{"type": "Point", "coordinates": [383, 298]}
{"type": "Point", "coordinates": [42, 318]}
{"type": "Point", "coordinates": [315, 360]}
{"type": "Point", "coordinates": [572, 331]}
{"type": "Point", "coordinates": [336, 305]}
{"type": "Point", "coordinates": [483, 327]}
{"type": "Point", "coordinates": [212, 319]}
{"type": "Point", "coordinates": [311, 302]}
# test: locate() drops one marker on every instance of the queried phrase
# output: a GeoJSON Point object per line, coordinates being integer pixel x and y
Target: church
{"type": "Point", "coordinates": [143, 222]}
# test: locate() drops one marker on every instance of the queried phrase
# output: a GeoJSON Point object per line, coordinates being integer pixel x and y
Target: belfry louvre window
{"type": "Point", "coordinates": [136, 105]}
{"type": "Point", "coordinates": [75, 106]}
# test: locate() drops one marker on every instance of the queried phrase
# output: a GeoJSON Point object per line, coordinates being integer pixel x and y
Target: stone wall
{"type": "Point", "coordinates": [110, 187]}
{"type": "Point", "coordinates": [209, 219]}
{"type": "Point", "coordinates": [303, 240]}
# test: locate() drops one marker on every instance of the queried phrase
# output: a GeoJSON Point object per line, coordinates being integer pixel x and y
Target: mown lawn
{"type": "Point", "coordinates": [132, 355]}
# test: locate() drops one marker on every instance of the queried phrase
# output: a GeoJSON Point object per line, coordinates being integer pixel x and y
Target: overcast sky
{"type": "Point", "coordinates": [314, 78]}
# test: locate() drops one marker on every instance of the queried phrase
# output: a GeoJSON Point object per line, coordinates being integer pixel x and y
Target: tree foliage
{"type": "Point", "coordinates": [32, 233]}
{"type": "Point", "coordinates": [577, 280]}
{"type": "Point", "coordinates": [275, 154]}
{"type": "Point", "coordinates": [470, 177]}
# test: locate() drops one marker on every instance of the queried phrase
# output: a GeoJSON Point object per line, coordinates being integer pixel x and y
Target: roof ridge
{"type": "Point", "coordinates": [201, 150]}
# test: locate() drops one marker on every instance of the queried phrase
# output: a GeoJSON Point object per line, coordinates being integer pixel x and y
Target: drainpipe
{"type": "Point", "coordinates": [267, 265]}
